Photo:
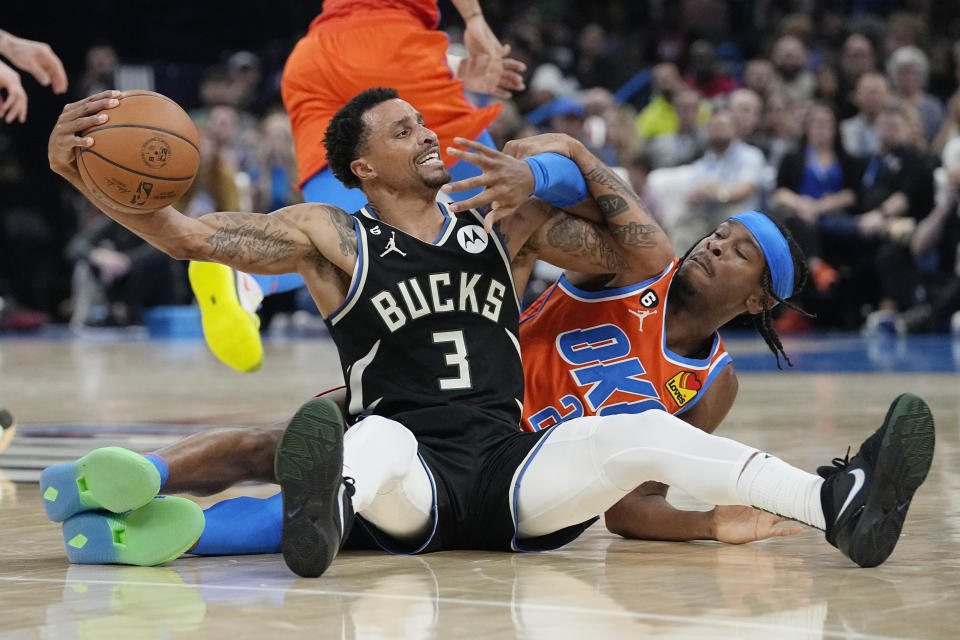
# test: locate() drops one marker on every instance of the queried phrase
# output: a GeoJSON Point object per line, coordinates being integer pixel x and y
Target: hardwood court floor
{"type": "Point", "coordinates": [71, 396]}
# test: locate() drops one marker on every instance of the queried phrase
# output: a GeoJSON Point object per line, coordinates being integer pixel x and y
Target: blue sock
{"type": "Point", "coordinates": [242, 526]}
{"type": "Point", "coordinates": [160, 464]}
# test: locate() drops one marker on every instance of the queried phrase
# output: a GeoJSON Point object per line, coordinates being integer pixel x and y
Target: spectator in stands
{"type": "Point", "coordinates": [704, 73]}
{"type": "Point", "coordinates": [98, 72]}
{"type": "Point", "coordinates": [727, 179]}
{"type": "Point", "coordinates": [896, 192]}
{"type": "Point", "coordinates": [594, 66]}
{"type": "Point", "coordinates": [908, 70]}
{"type": "Point", "coordinates": [659, 117]}
{"type": "Point", "coordinates": [215, 187]}
{"type": "Point", "coordinates": [117, 275]}
{"type": "Point", "coordinates": [897, 182]}
{"type": "Point", "coordinates": [747, 110]}
{"type": "Point", "coordinates": [781, 128]}
{"type": "Point", "coordinates": [857, 58]}
{"type": "Point", "coordinates": [858, 133]}
{"type": "Point", "coordinates": [760, 76]}
{"type": "Point", "coordinates": [275, 178]}
{"type": "Point", "coordinates": [687, 143]}
{"type": "Point", "coordinates": [246, 83]}
{"type": "Point", "coordinates": [817, 179]}
{"type": "Point", "coordinates": [827, 89]}
{"type": "Point", "coordinates": [935, 247]}
{"type": "Point", "coordinates": [790, 59]}
{"type": "Point", "coordinates": [622, 141]}
{"type": "Point", "coordinates": [903, 30]}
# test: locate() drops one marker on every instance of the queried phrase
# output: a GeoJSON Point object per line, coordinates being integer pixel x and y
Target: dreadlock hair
{"type": "Point", "coordinates": [346, 133]}
{"type": "Point", "coordinates": [763, 322]}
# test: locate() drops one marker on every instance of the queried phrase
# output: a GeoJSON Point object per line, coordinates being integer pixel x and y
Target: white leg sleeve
{"type": "Point", "coordinates": [588, 464]}
{"type": "Point", "coordinates": [393, 490]}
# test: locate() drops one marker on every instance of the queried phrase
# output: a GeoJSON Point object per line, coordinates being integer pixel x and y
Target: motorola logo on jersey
{"type": "Point", "coordinates": [649, 299]}
{"type": "Point", "coordinates": [472, 238]}
{"type": "Point", "coordinates": [443, 292]}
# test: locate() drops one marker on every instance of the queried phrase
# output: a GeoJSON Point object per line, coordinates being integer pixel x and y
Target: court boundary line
{"type": "Point", "coordinates": [661, 617]}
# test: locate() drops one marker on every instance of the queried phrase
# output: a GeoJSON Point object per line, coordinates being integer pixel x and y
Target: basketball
{"type": "Point", "coordinates": [144, 157]}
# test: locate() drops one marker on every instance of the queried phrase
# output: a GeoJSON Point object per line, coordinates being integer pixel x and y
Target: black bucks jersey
{"type": "Point", "coordinates": [427, 334]}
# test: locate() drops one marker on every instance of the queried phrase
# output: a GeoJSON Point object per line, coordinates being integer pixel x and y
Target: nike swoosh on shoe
{"type": "Point", "coordinates": [859, 478]}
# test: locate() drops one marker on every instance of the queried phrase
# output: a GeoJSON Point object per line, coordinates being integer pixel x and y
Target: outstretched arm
{"type": "Point", "coordinates": [305, 238]}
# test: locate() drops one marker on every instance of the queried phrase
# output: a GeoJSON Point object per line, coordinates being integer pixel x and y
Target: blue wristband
{"type": "Point", "coordinates": [557, 179]}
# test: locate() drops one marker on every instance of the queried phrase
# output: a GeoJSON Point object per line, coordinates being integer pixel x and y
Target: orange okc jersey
{"type": "Point", "coordinates": [603, 352]}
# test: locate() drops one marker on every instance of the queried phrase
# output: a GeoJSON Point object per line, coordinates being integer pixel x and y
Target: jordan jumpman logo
{"type": "Point", "coordinates": [392, 246]}
{"type": "Point", "coordinates": [642, 315]}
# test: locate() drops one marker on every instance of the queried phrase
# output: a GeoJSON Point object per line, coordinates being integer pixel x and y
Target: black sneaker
{"type": "Point", "coordinates": [865, 498]}
{"type": "Point", "coordinates": [317, 505]}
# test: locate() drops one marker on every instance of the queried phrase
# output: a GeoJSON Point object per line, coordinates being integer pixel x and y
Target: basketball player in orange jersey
{"type": "Point", "coordinates": [642, 338]}
{"type": "Point", "coordinates": [428, 341]}
{"type": "Point", "coordinates": [351, 46]}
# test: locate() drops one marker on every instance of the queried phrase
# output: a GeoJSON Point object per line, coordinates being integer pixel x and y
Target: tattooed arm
{"type": "Point", "coordinates": [555, 236]}
{"type": "Point", "coordinates": [612, 203]}
{"type": "Point", "coordinates": [281, 242]}
{"type": "Point", "coordinates": [639, 236]}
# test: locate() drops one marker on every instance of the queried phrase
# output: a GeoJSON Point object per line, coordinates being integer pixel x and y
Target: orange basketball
{"type": "Point", "coordinates": [144, 157]}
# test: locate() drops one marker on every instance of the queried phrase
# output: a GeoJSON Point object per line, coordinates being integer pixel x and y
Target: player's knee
{"type": "Point", "coordinates": [377, 432]}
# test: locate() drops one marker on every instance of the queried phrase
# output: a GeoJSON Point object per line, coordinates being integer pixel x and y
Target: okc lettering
{"type": "Point", "coordinates": [599, 357]}
{"type": "Point", "coordinates": [442, 292]}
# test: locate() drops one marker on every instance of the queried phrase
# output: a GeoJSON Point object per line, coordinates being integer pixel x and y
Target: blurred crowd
{"type": "Point", "coordinates": [840, 118]}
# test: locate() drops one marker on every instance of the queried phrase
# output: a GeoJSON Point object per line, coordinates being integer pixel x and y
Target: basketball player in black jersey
{"type": "Point", "coordinates": [422, 306]}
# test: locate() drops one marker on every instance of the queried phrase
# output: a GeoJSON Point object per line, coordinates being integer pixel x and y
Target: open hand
{"type": "Point", "coordinates": [506, 181]}
{"type": "Point", "coordinates": [37, 59]}
{"type": "Point", "coordinates": [76, 118]}
{"type": "Point", "coordinates": [735, 524]}
{"type": "Point", "coordinates": [493, 75]}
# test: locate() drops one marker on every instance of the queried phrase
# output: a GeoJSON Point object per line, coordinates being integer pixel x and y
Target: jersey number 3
{"type": "Point", "coordinates": [457, 358]}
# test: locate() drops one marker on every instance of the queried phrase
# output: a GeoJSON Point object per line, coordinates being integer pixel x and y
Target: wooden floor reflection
{"type": "Point", "coordinates": [599, 587]}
